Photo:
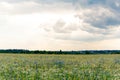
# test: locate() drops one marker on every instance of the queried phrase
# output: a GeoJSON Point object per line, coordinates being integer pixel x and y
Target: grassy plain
{"type": "Point", "coordinates": [59, 67]}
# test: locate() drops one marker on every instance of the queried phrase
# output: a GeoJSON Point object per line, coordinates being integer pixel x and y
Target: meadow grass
{"type": "Point", "coordinates": [59, 67]}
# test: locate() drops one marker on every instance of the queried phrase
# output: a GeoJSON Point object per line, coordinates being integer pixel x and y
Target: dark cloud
{"type": "Point", "coordinates": [100, 13]}
{"type": "Point", "coordinates": [113, 5]}
{"type": "Point", "coordinates": [103, 21]}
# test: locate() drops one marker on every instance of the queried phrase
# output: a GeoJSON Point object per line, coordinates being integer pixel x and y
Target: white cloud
{"type": "Point", "coordinates": [89, 25]}
{"type": "Point", "coordinates": [55, 24]}
{"type": "Point", "coordinates": [29, 7]}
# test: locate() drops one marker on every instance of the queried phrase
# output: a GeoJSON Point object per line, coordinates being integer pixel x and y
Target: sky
{"type": "Point", "coordinates": [60, 24]}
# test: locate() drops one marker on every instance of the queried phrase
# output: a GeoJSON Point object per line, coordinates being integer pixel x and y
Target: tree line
{"type": "Point", "coordinates": [23, 51]}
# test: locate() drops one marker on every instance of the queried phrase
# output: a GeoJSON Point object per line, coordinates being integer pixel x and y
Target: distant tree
{"type": "Point", "coordinates": [60, 52]}
{"type": "Point", "coordinates": [36, 52]}
{"type": "Point", "coordinates": [87, 52]}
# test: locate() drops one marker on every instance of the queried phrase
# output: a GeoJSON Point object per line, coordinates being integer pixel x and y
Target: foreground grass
{"type": "Point", "coordinates": [59, 67]}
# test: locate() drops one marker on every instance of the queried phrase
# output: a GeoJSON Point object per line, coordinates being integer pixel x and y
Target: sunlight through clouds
{"type": "Point", "coordinates": [63, 24]}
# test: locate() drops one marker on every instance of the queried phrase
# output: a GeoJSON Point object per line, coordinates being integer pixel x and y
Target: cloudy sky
{"type": "Point", "coordinates": [60, 24]}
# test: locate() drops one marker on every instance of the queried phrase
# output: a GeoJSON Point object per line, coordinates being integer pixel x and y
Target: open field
{"type": "Point", "coordinates": [59, 67]}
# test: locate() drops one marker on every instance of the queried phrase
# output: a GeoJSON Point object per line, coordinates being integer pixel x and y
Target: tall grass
{"type": "Point", "coordinates": [59, 67]}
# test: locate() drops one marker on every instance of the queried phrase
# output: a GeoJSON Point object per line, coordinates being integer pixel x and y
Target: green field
{"type": "Point", "coordinates": [59, 67]}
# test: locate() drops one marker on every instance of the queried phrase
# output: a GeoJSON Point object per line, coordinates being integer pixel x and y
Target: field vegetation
{"type": "Point", "coordinates": [59, 67]}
